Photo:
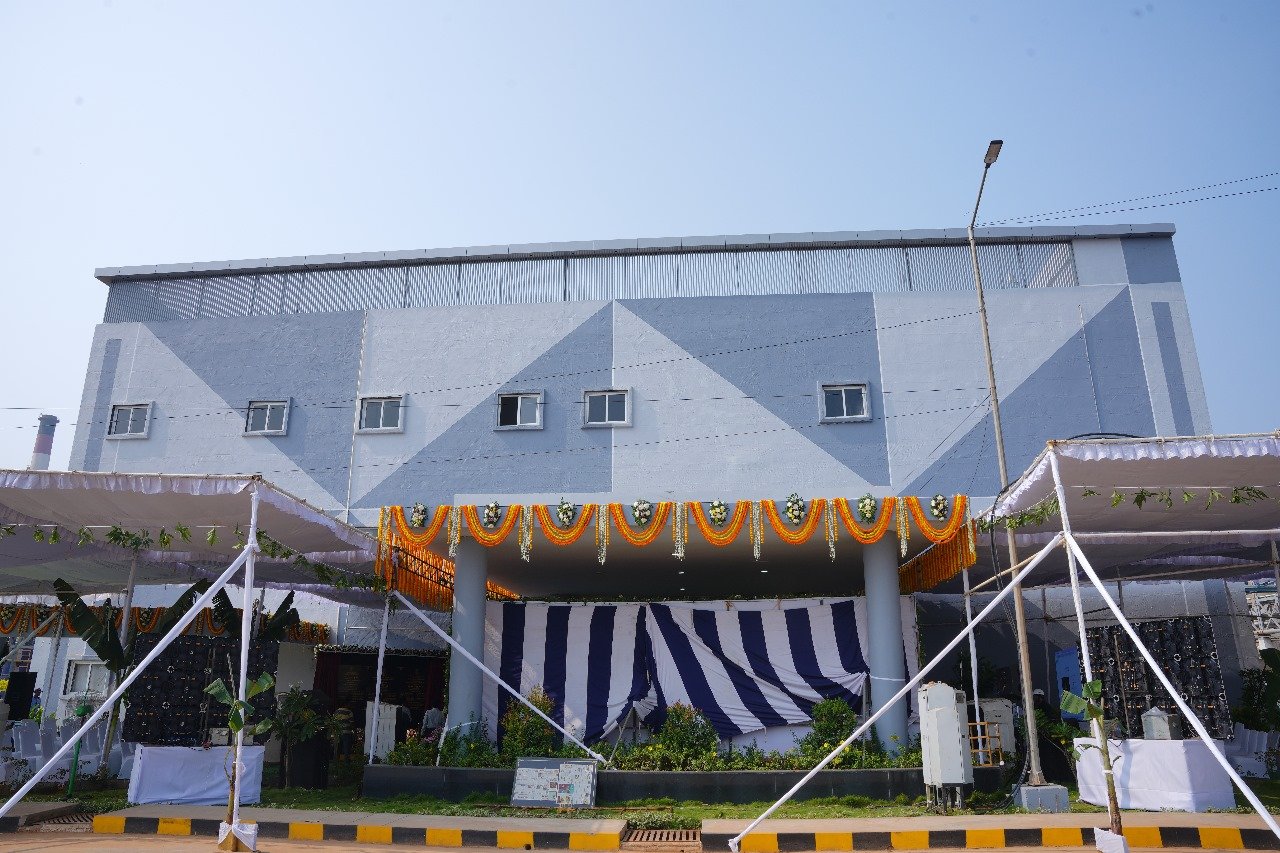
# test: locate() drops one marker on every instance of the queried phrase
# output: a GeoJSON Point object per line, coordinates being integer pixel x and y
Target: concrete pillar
{"type": "Point", "coordinates": [884, 654]}
{"type": "Point", "coordinates": [465, 680]}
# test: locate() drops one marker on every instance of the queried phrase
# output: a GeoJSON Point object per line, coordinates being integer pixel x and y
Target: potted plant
{"type": "Point", "coordinates": [1090, 704]}
{"type": "Point", "coordinates": [307, 735]}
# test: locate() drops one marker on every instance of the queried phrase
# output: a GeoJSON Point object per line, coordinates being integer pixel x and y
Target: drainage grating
{"type": "Point", "coordinates": [665, 840]}
{"type": "Point", "coordinates": [79, 822]}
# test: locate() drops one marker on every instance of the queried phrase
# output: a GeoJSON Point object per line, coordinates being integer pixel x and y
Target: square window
{"type": "Point", "coordinates": [520, 411]}
{"type": "Point", "coordinates": [844, 402]}
{"type": "Point", "coordinates": [269, 417]}
{"type": "Point", "coordinates": [380, 414]}
{"type": "Point", "coordinates": [131, 420]}
{"type": "Point", "coordinates": [608, 408]}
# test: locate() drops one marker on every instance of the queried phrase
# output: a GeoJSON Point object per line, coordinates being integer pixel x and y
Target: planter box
{"type": "Point", "coordinates": [743, 786]}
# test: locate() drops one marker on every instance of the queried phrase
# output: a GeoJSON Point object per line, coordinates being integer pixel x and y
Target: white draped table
{"type": "Point", "coordinates": [194, 776]}
{"type": "Point", "coordinates": [1156, 775]}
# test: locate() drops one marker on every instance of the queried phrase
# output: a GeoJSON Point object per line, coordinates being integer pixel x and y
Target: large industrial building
{"type": "Point", "coordinates": [688, 370]}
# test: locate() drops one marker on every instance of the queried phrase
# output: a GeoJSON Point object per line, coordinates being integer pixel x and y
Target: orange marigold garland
{"type": "Point", "coordinates": [939, 563]}
{"type": "Point", "coordinates": [877, 530]}
{"type": "Point", "coordinates": [419, 538]}
{"type": "Point", "coordinates": [648, 534]}
{"type": "Point", "coordinates": [801, 534]}
{"type": "Point", "coordinates": [732, 527]}
{"type": "Point", "coordinates": [946, 532]}
{"type": "Point", "coordinates": [563, 536]}
{"type": "Point", "coordinates": [485, 536]}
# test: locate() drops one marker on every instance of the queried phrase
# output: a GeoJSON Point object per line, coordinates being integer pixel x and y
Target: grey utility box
{"type": "Point", "coordinates": [944, 736]}
{"type": "Point", "coordinates": [1157, 725]}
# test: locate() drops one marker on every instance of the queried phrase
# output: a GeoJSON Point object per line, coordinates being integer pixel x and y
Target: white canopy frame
{"type": "Point", "coordinates": [1076, 555]}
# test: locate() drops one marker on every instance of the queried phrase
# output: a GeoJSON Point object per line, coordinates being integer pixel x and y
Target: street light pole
{"type": "Point", "coordinates": [1035, 774]}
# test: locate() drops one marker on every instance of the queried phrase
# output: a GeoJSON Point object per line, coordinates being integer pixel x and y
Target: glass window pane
{"type": "Point", "coordinates": [507, 410]}
{"type": "Point", "coordinates": [257, 418]}
{"type": "Point", "coordinates": [119, 420]}
{"type": "Point", "coordinates": [833, 403]}
{"type": "Point", "coordinates": [855, 402]}
{"type": "Point", "coordinates": [371, 418]}
{"type": "Point", "coordinates": [529, 410]}
{"type": "Point", "coordinates": [138, 420]}
{"type": "Point", "coordinates": [595, 408]}
{"type": "Point", "coordinates": [617, 408]}
{"type": "Point", "coordinates": [275, 416]}
{"type": "Point", "coordinates": [391, 413]}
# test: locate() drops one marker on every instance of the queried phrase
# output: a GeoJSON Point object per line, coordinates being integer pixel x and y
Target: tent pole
{"type": "Point", "coordinates": [174, 632]}
{"type": "Point", "coordinates": [246, 638]}
{"type": "Point", "coordinates": [457, 647]}
{"type": "Point", "coordinates": [906, 688]}
{"type": "Point", "coordinates": [1173, 692]}
{"type": "Point", "coordinates": [973, 659]}
{"type": "Point", "coordinates": [377, 683]}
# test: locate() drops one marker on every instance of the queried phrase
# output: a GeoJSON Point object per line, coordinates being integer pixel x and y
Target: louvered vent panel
{"type": "Point", "coordinates": [269, 294]}
{"type": "Point", "coordinates": [539, 280]}
{"type": "Point", "coordinates": [652, 276]}
{"type": "Point", "coordinates": [590, 279]}
{"type": "Point", "coordinates": [767, 272]}
{"type": "Point", "coordinates": [433, 285]}
{"type": "Point", "coordinates": [1048, 265]}
{"type": "Point", "coordinates": [709, 274]}
{"type": "Point", "coordinates": [937, 268]}
{"type": "Point", "coordinates": [481, 283]}
{"type": "Point", "coordinates": [227, 296]}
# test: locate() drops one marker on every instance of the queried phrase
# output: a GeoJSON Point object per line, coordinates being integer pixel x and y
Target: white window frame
{"type": "Point", "coordinates": [91, 664]}
{"type": "Point", "coordinates": [284, 426]}
{"type": "Point", "coordinates": [497, 415]}
{"type": "Point", "coordinates": [146, 424]}
{"type": "Point", "coordinates": [370, 398]}
{"type": "Point", "coordinates": [586, 403]}
{"type": "Point", "coordinates": [824, 418]}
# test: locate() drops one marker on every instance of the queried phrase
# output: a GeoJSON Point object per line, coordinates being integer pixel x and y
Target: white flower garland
{"type": "Point", "coordinates": [939, 508]}
{"type": "Point", "coordinates": [679, 529]}
{"type": "Point", "coordinates": [794, 510]}
{"type": "Point", "coordinates": [602, 536]}
{"type": "Point", "coordinates": [867, 508]}
{"type": "Point", "coordinates": [829, 516]}
{"type": "Point", "coordinates": [418, 516]}
{"type": "Point", "coordinates": [525, 534]}
{"type": "Point", "coordinates": [492, 515]}
{"type": "Point", "coordinates": [565, 513]}
{"type": "Point", "coordinates": [455, 530]}
{"type": "Point", "coordinates": [718, 513]}
{"type": "Point", "coordinates": [757, 528]}
{"type": "Point", "coordinates": [904, 531]}
{"type": "Point", "coordinates": [641, 512]}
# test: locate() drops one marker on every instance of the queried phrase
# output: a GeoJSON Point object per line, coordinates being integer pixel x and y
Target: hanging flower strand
{"type": "Point", "coordinates": [455, 530]}
{"type": "Point", "coordinates": [904, 531]}
{"type": "Point", "coordinates": [829, 518]}
{"type": "Point", "coordinates": [602, 537]}
{"type": "Point", "coordinates": [680, 529]}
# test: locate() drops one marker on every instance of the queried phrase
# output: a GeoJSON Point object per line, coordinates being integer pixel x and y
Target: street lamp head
{"type": "Point", "coordinates": [993, 152]}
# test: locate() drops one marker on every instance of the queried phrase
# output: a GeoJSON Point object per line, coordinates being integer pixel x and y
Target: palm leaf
{"type": "Point", "coordinates": [286, 616]}
{"type": "Point", "coordinates": [177, 610]}
{"type": "Point", "coordinates": [100, 635]}
{"type": "Point", "coordinates": [225, 612]}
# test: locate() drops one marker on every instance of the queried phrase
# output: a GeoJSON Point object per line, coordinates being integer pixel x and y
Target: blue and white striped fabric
{"type": "Point", "coordinates": [590, 660]}
{"type": "Point", "coordinates": [749, 669]}
{"type": "Point", "coordinates": [747, 665]}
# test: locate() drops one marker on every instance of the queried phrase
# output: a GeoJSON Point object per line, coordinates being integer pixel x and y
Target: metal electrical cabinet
{"type": "Point", "coordinates": [944, 740]}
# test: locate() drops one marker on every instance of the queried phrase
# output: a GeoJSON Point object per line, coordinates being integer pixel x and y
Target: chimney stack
{"type": "Point", "coordinates": [44, 443]}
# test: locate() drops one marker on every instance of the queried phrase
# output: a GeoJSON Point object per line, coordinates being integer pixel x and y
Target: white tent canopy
{"type": "Point", "coordinates": [150, 502]}
{"type": "Point", "coordinates": [1182, 527]}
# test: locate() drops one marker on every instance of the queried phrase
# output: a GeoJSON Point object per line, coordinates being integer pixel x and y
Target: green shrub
{"type": "Point", "coordinates": [469, 746]}
{"type": "Point", "coordinates": [413, 752]}
{"type": "Point", "coordinates": [686, 741]}
{"type": "Point", "coordinates": [524, 733]}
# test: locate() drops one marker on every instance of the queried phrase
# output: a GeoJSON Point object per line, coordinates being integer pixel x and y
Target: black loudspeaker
{"type": "Point", "coordinates": [21, 686]}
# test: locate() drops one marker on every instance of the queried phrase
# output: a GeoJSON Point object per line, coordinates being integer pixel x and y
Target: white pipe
{"type": "Point", "coordinates": [127, 606]}
{"type": "Point", "coordinates": [246, 638]}
{"type": "Point", "coordinates": [201, 603]}
{"type": "Point", "coordinates": [377, 684]}
{"type": "Point", "coordinates": [13, 652]}
{"type": "Point", "coordinates": [906, 688]}
{"type": "Point", "coordinates": [457, 647]}
{"type": "Point", "coordinates": [1135, 535]}
{"type": "Point", "coordinates": [973, 660]}
{"type": "Point", "coordinates": [1172, 691]}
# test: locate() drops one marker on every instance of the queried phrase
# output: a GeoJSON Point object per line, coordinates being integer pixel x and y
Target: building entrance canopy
{"type": "Point", "coordinates": [1202, 506]}
{"type": "Point", "coordinates": [49, 516]}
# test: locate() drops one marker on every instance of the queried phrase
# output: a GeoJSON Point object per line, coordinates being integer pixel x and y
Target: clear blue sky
{"type": "Point", "coordinates": [140, 133]}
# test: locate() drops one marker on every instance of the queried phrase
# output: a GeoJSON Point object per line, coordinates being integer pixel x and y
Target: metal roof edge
{"type": "Point", "coordinates": [638, 246]}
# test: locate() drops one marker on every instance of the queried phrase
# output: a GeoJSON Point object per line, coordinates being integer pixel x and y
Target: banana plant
{"type": "Point", "coordinates": [238, 714]}
{"type": "Point", "coordinates": [1090, 703]}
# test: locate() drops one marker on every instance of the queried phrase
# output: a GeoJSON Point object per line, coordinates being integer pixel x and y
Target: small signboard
{"type": "Point", "coordinates": [554, 783]}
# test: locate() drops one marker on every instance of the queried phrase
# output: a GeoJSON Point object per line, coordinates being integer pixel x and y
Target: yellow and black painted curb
{"type": "Point", "coordinates": [1139, 837]}
{"type": "Point", "coordinates": [369, 833]}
